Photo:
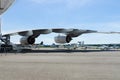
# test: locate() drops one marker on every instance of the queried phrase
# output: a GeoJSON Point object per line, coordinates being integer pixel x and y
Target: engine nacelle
{"type": "Point", "coordinates": [26, 40]}
{"type": "Point", "coordinates": [63, 39]}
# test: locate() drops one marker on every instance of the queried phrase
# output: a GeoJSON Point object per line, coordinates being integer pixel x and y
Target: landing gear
{"type": "Point", "coordinates": [6, 46]}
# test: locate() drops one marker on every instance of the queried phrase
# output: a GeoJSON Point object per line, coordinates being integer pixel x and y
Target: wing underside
{"type": "Point", "coordinates": [34, 33]}
{"type": "Point", "coordinates": [72, 32]}
{"type": "Point", "coordinates": [37, 32]}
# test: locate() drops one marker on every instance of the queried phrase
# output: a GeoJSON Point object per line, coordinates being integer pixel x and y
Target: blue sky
{"type": "Point", "coordinates": [100, 15]}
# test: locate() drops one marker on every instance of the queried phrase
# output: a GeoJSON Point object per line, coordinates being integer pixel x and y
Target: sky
{"type": "Point", "coordinates": [100, 15]}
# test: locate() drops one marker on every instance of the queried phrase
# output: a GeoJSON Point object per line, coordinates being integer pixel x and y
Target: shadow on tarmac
{"type": "Point", "coordinates": [64, 50]}
{"type": "Point", "coordinates": [57, 51]}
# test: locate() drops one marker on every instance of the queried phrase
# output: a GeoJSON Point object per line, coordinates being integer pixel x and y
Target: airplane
{"type": "Point", "coordinates": [29, 36]}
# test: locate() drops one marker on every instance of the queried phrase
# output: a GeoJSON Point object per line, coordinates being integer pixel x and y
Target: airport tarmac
{"type": "Point", "coordinates": [103, 65]}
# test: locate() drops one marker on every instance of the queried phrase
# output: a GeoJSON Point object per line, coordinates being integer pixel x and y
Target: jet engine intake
{"type": "Point", "coordinates": [27, 40]}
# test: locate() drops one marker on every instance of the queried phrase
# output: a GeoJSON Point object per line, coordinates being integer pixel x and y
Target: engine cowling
{"type": "Point", "coordinates": [27, 40]}
{"type": "Point", "coordinates": [63, 39]}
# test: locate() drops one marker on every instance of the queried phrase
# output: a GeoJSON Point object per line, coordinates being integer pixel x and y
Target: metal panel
{"type": "Point", "coordinates": [4, 5]}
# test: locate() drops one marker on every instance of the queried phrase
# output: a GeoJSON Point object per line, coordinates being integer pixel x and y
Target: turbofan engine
{"type": "Point", "coordinates": [63, 39]}
{"type": "Point", "coordinates": [27, 40]}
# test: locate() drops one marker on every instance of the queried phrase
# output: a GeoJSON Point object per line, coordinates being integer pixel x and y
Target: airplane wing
{"type": "Point", "coordinates": [109, 32]}
{"type": "Point", "coordinates": [33, 33]}
{"type": "Point", "coordinates": [29, 36]}
{"type": "Point", "coordinates": [37, 32]}
{"type": "Point", "coordinates": [73, 32]}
